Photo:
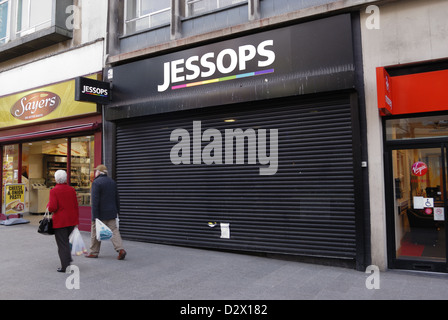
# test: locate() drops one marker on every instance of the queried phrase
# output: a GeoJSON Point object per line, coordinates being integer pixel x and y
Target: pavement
{"type": "Point", "coordinates": [162, 272]}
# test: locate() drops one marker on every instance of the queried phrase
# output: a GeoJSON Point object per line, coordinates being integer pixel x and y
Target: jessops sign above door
{"type": "Point", "coordinates": [311, 57]}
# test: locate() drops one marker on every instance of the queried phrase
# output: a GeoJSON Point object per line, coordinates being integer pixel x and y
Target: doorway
{"type": "Point", "coordinates": [416, 181]}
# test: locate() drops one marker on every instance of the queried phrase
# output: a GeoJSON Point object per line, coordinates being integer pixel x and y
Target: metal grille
{"type": "Point", "coordinates": [306, 208]}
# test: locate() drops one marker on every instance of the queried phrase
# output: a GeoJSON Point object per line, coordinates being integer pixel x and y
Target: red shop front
{"type": "Point", "coordinates": [413, 101]}
{"type": "Point", "coordinates": [43, 130]}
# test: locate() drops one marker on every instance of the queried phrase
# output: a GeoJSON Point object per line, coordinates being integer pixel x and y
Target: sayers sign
{"type": "Point", "coordinates": [35, 105]}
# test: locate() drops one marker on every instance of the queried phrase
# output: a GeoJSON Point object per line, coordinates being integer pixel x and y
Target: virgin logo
{"type": "Point", "coordinates": [35, 105]}
{"type": "Point", "coordinates": [419, 168]}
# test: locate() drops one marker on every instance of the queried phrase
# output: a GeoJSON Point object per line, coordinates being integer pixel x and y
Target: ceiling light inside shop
{"type": "Point", "coordinates": [229, 120]}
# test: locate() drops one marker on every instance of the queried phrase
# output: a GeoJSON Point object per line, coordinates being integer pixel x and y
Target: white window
{"type": "Point", "coordinates": [4, 25]}
{"type": "Point", "coordinates": [195, 7]}
{"type": "Point", "coordinates": [144, 14]}
{"type": "Point", "coordinates": [33, 15]}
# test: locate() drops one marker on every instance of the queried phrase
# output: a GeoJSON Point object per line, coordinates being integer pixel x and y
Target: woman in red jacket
{"type": "Point", "coordinates": [63, 204]}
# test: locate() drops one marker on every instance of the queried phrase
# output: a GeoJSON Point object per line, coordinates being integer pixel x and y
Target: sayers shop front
{"type": "Point", "coordinates": [43, 130]}
{"type": "Point", "coordinates": [249, 144]}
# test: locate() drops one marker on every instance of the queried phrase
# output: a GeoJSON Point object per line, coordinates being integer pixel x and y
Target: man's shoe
{"type": "Point", "coordinates": [92, 256]}
{"type": "Point", "coordinates": [121, 254]}
{"type": "Point", "coordinates": [60, 270]}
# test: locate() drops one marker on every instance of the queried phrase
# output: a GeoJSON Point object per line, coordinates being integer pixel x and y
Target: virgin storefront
{"type": "Point", "coordinates": [251, 144]}
{"type": "Point", "coordinates": [413, 101]}
{"type": "Point", "coordinates": [43, 130]}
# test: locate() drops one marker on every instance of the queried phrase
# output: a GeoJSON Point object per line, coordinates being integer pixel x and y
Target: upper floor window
{"type": "Point", "coordinates": [33, 15]}
{"type": "Point", "coordinates": [4, 14]}
{"type": "Point", "coordinates": [144, 14]}
{"type": "Point", "coordinates": [31, 25]}
{"type": "Point", "coordinates": [195, 7]}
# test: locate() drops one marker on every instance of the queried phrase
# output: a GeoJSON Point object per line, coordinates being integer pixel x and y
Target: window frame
{"type": "Point", "coordinates": [23, 31]}
{"type": "Point", "coordinates": [140, 16]}
{"type": "Point", "coordinates": [188, 3]}
{"type": "Point", "coordinates": [6, 39]}
{"type": "Point", "coordinates": [53, 31]}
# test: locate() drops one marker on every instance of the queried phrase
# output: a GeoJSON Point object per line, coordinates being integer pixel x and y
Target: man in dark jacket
{"type": "Point", "coordinates": [105, 207]}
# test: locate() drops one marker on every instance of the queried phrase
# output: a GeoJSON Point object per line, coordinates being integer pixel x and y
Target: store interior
{"type": "Point", "coordinates": [419, 182]}
{"type": "Point", "coordinates": [420, 227]}
{"type": "Point", "coordinates": [39, 161]}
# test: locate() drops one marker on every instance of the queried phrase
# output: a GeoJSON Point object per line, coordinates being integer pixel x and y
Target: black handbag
{"type": "Point", "coordinates": [46, 225]}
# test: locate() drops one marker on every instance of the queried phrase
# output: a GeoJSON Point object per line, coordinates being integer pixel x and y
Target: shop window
{"type": "Point", "coordinates": [33, 16]}
{"type": "Point", "coordinates": [196, 7]}
{"type": "Point", "coordinates": [82, 165]}
{"type": "Point", "coordinates": [144, 14]}
{"type": "Point", "coordinates": [417, 128]}
{"type": "Point", "coordinates": [40, 160]}
{"type": "Point", "coordinates": [10, 168]}
{"type": "Point", "coordinates": [4, 14]}
{"type": "Point", "coordinates": [30, 25]}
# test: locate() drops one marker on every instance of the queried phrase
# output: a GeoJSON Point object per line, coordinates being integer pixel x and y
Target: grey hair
{"type": "Point", "coordinates": [60, 176]}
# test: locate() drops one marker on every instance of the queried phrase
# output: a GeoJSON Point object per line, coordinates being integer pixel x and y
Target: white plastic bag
{"type": "Point", "coordinates": [103, 232]}
{"type": "Point", "coordinates": [77, 243]}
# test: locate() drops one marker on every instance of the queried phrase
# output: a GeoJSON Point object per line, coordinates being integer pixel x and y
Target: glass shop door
{"type": "Point", "coordinates": [419, 208]}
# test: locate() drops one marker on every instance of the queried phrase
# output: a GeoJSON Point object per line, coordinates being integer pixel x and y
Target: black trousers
{"type": "Point", "coordinates": [61, 235]}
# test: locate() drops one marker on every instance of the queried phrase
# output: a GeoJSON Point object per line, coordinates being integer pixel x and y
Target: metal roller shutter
{"type": "Point", "coordinates": [306, 208]}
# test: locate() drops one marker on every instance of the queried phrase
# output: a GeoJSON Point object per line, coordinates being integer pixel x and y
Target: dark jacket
{"type": "Point", "coordinates": [105, 199]}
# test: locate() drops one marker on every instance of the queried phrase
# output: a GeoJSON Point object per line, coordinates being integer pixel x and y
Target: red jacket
{"type": "Point", "coordinates": [64, 206]}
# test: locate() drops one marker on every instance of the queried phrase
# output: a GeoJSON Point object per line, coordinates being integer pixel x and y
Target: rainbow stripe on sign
{"type": "Point", "coordinates": [238, 76]}
{"type": "Point", "coordinates": [96, 94]}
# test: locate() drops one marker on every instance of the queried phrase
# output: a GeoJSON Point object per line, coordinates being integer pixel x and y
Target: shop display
{"type": "Point", "coordinates": [79, 175]}
{"type": "Point", "coordinates": [80, 179]}
{"type": "Point", "coordinates": [39, 194]}
{"type": "Point", "coordinates": [39, 162]}
{"type": "Point", "coordinates": [51, 165]}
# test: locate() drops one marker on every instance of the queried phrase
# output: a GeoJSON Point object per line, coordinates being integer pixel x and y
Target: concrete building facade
{"type": "Point", "coordinates": [410, 34]}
